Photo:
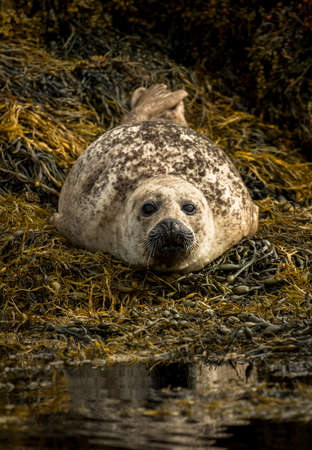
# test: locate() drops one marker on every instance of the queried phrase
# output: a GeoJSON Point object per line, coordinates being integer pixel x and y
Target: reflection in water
{"type": "Point", "coordinates": [166, 406]}
{"type": "Point", "coordinates": [135, 409]}
{"type": "Point", "coordinates": [259, 435]}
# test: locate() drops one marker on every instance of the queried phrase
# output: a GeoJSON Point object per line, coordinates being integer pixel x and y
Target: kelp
{"type": "Point", "coordinates": [61, 87]}
{"type": "Point", "coordinates": [257, 292]}
{"type": "Point", "coordinates": [259, 52]}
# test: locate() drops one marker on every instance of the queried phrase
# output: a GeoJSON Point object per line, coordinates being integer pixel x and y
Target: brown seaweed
{"type": "Point", "coordinates": [61, 87]}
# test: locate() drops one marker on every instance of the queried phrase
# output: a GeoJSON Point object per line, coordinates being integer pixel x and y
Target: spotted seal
{"type": "Point", "coordinates": [155, 193]}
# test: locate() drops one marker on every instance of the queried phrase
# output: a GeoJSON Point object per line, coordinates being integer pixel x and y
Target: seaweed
{"type": "Point", "coordinates": [259, 52]}
{"type": "Point", "coordinates": [66, 74]}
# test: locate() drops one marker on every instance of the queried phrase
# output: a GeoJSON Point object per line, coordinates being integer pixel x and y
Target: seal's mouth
{"type": "Point", "coordinates": [169, 241]}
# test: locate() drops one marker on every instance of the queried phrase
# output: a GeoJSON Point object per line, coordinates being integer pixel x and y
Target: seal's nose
{"type": "Point", "coordinates": [172, 233]}
{"type": "Point", "coordinates": [170, 240]}
{"type": "Point", "coordinates": [170, 228]}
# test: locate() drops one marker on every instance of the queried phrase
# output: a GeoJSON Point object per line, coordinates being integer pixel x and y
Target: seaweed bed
{"type": "Point", "coordinates": [60, 87]}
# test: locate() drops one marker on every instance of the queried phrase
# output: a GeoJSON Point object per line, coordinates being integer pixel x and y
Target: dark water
{"type": "Point", "coordinates": [171, 406]}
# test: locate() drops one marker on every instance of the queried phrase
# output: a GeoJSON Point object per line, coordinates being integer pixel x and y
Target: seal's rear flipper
{"type": "Point", "coordinates": [137, 94]}
{"type": "Point", "coordinates": [155, 103]}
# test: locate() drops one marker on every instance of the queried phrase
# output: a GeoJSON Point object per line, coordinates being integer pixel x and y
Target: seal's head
{"type": "Point", "coordinates": [166, 225]}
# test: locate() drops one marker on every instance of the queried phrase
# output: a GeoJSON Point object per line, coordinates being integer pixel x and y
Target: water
{"type": "Point", "coordinates": [165, 406]}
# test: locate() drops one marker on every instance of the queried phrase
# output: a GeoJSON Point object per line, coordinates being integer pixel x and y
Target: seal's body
{"type": "Point", "coordinates": [158, 195]}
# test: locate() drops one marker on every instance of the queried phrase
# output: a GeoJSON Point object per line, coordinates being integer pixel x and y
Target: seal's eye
{"type": "Point", "coordinates": [189, 208]}
{"type": "Point", "coordinates": [149, 208]}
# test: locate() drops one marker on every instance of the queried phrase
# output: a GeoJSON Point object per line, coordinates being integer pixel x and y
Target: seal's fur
{"type": "Point", "coordinates": [166, 164]}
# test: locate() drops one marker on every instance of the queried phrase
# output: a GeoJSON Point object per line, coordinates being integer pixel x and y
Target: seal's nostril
{"type": "Point", "coordinates": [170, 225]}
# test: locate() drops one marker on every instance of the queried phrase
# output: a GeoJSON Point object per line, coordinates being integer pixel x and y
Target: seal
{"type": "Point", "coordinates": [155, 193]}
